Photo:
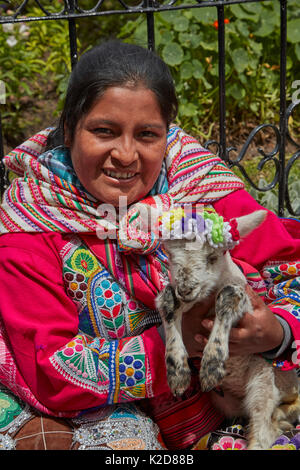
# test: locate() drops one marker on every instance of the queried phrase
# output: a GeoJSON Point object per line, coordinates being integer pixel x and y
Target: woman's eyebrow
{"type": "Point", "coordinates": [153, 125]}
{"type": "Point", "coordinates": [100, 121]}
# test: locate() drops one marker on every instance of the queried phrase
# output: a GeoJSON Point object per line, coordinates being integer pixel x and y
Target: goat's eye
{"type": "Point", "coordinates": [212, 259]}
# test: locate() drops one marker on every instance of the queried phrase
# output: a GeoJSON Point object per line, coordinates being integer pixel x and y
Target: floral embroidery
{"type": "Point", "coordinates": [105, 309]}
{"type": "Point", "coordinates": [106, 303]}
{"type": "Point", "coordinates": [229, 443]}
{"type": "Point", "coordinates": [10, 408]}
{"type": "Point", "coordinates": [116, 369]}
{"type": "Point", "coordinates": [106, 356]}
{"type": "Point", "coordinates": [84, 262]}
{"type": "Point", "coordinates": [284, 447]}
{"type": "Point", "coordinates": [76, 285]}
{"type": "Point", "coordinates": [123, 427]}
{"type": "Point", "coordinates": [131, 371]}
{"type": "Point", "coordinates": [288, 441]}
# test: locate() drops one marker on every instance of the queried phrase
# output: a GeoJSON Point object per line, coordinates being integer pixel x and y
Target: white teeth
{"type": "Point", "coordinates": [118, 175]}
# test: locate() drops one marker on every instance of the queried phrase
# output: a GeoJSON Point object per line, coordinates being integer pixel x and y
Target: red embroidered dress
{"type": "Point", "coordinates": [78, 323]}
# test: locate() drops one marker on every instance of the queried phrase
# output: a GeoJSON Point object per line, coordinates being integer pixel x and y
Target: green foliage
{"type": "Point", "coordinates": [269, 199]}
{"type": "Point", "coordinates": [188, 41]}
{"type": "Point", "coordinates": [35, 65]}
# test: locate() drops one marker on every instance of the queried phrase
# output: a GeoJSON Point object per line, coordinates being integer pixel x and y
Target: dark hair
{"type": "Point", "coordinates": [113, 63]}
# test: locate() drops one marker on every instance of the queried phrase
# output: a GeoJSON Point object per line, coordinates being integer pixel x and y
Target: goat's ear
{"type": "Point", "coordinates": [247, 223]}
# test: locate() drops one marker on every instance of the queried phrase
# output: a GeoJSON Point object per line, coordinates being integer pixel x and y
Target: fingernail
{"type": "Point", "coordinates": [199, 338]}
{"type": "Point", "coordinates": [207, 324]}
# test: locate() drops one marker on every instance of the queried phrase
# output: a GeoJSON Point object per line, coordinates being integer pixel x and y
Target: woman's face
{"type": "Point", "coordinates": [119, 145]}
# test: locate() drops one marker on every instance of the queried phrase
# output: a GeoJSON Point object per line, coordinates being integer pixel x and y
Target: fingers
{"type": "Point", "coordinates": [255, 299]}
{"type": "Point", "coordinates": [201, 340]}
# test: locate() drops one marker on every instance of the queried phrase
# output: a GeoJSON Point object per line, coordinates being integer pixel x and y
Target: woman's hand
{"type": "Point", "coordinates": [255, 333]}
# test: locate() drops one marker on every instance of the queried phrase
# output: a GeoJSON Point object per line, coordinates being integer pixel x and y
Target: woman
{"type": "Point", "coordinates": [80, 335]}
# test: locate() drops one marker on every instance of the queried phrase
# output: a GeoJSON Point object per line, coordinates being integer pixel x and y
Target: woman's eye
{"type": "Point", "coordinates": [103, 131]}
{"type": "Point", "coordinates": [147, 134]}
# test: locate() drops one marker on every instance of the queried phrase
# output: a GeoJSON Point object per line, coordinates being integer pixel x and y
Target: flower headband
{"type": "Point", "coordinates": [204, 223]}
{"type": "Point", "coordinates": [182, 221]}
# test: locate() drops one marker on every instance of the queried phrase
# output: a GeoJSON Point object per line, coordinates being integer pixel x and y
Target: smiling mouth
{"type": "Point", "coordinates": [119, 175]}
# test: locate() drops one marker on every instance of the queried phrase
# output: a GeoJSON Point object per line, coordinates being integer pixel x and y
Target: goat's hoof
{"type": "Point", "coordinates": [211, 374]}
{"type": "Point", "coordinates": [179, 383]}
{"type": "Point", "coordinates": [178, 376]}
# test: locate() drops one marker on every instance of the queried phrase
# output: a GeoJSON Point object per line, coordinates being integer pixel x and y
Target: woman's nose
{"type": "Point", "coordinates": [125, 151]}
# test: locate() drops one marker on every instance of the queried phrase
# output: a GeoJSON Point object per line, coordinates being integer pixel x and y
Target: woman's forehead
{"type": "Point", "coordinates": [115, 101]}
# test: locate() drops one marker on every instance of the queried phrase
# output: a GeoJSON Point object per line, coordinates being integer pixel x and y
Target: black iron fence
{"type": "Point", "coordinates": [72, 10]}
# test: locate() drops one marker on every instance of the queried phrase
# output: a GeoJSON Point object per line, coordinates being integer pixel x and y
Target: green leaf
{"type": "Point", "coordinates": [169, 16]}
{"type": "Point", "coordinates": [267, 25]}
{"type": "Point", "coordinates": [181, 24]}
{"type": "Point", "coordinates": [141, 33]}
{"type": "Point", "coordinates": [240, 59]}
{"type": "Point", "coordinates": [190, 40]}
{"type": "Point", "coordinates": [236, 91]}
{"type": "Point", "coordinates": [198, 69]}
{"type": "Point", "coordinates": [119, 320]}
{"type": "Point", "coordinates": [173, 54]}
{"type": "Point", "coordinates": [289, 63]}
{"type": "Point", "coordinates": [254, 107]}
{"type": "Point", "coordinates": [205, 15]}
{"type": "Point", "coordinates": [186, 70]}
{"type": "Point", "coordinates": [293, 31]}
{"type": "Point", "coordinates": [297, 50]}
{"type": "Point", "coordinates": [240, 13]}
{"type": "Point", "coordinates": [167, 36]}
{"type": "Point", "coordinates": [257, 47]}
{"type": "Point", "coordinates": [253, 8]}
{"type": "Point", "coordinates": [211, 45]}
{"type": "Point", "coordinates": [188, 109]}
{"type": "Point", "coordinates": [243, 28]}
{"type": "Point", "coordinates": [207, 85]}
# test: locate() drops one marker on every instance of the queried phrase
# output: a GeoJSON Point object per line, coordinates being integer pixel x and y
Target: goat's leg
{"type": "Point", "coordinates": [231, 304]}
{"type": "Point", "coordinates": [261, 399]}
{"type": "Point", "coordinates": [178, 370]}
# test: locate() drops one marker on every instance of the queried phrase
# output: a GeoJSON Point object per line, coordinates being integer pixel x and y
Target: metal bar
{"type": "Point", "coordinates": [282, 115]}
{"type": "Point", "coordinates": [151, 31]}
{"type": "Point", "coordinates": [73, 42]}
{"type": "Point", "coordinates": [131, 10]}
{"type": "Point", "coordinates": [72, 35]}
{"type": "Point", "coordinates": [222, 97]}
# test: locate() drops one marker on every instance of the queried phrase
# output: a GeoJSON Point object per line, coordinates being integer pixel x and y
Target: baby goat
{"type": "Point", "coordinates": [199, 267]}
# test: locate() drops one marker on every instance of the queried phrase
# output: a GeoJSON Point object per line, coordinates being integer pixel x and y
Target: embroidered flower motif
{"type": "Point", "coordinates": [236, 429]}
{"type": "Point", "coordinates": [131, 371]}
{"type": "Point", "coordinates": [76, 284]}
{"type": "Point", "coordinates": [284, 447]}
{"type": "Point", "coordinates": [83, 262]}
{"type": "Point", "coordinates": [9, 409]}
{"type": "Point", "coordinates": [229, 443]}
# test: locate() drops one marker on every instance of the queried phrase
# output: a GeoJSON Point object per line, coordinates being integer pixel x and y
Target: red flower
{"type": "Point", "coordinates": [216, 23]}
